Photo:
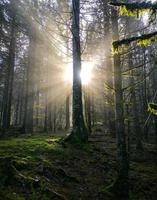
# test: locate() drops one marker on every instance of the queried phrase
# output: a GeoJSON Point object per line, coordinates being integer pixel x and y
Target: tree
{"type": "Point", "coordinates": [134, 8]}
{"type": "Point", "coordinates": [137, 128]}
{"type": "Point", "coordinates": [121, 186]}
{"type": "Point", "coordinates": [79, 131]}
{"type": "Point", "coordinates": [7, 98]}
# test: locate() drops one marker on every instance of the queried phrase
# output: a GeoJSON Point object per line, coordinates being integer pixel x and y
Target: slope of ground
{"type": "Point", "coordinates": [41, 168]}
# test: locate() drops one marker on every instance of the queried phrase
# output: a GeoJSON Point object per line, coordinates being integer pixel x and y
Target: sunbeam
{"type": "Point", "coordinates": [86, 72]}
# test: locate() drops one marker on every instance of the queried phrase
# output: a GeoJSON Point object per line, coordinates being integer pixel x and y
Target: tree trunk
{"type": "Point", "coordinates": [79, 131]}
{"type": "Point", "coordinates": [121, 186]}
{"type": "Point", "coordinates": [154, 86]}
{"type": "Point", "coordinates": [54, 118]}
{"type": "Point", "coordinates": [7, 99]}
{"type": "Point", "coordinates": [137, 128]}
{"type": "Point", "coordinates": [17, 107]}
{"type": "Point", "coordinates": [92, 110]}
{"type": "Point", "coordinates": [30, 93]}
{"type": "Point", "coordinates": [67, 112]}
{"type": "Point", "coordinates": [21, 106]}
{"type": "Point", "coordinates": [46, 115]}
{"type": "Point", "coordinates": [108, 70]}
{"type": "Point", "coordinates": [87, 99]}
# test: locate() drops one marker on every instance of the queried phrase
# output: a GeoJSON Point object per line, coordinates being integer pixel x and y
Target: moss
{"type": "Point", "coordinates": [152, 108]}
{"type": "Point", "coordinates": [144, 39]}
{"type": "Point", "coordinates": [131, 12]}
{"type": "Point", "coordinates": [33, 147]}
{"type": "Point", "coordinates": [10, 195]}
{"type": "Point", "coordinates": [20, 160]}
{"type": "Point", "coordinates": [78, 136]}
{"type": "Point", "coordinates": [134, 6]}
{"type": "Point", "coordinates": [41, 167]}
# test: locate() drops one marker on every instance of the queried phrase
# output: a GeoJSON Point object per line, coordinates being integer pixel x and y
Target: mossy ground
{"type": "Point", "coordinates": [42, 168]}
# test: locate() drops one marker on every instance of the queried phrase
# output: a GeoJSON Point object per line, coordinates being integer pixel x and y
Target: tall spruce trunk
{"type": "Point", "coordinates": [79, 131]}
{"type": "Point", "coordinates": [121, 186]}
{"type": "Point", "coordinates": [136, 122]}
{"type": "Point", "coordinates": [154, 86]}
{"type": "Point", "coordinates": [67, 112]}
{"type": "Point", "coordinates": [21, 106]}
{"type": "Point", "coordinates": [7, 99]}
{"type": "Point", "coordinates": [137, 128]}
{"type": "Point", "coordinates": [54, 117]}
{"type": "Point", "coordinates": [108, 70]}
{"type": "Point", "coordinates": [46, 115]}
{"type": "Point", "coordinates": [92, 110]}
{"type": "Point", "coordinates": [30, 92]}
{"type": "Point", "coordinates": [87, 99]}
{"type": "Point", "coordinates": [17, 107]}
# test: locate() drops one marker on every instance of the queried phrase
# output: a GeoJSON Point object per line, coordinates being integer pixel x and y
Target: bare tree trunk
{"type": "Point", "coordinates": [136, 123]}
{"type": "Point", "coordinates": [46, 116]}
{"type": "Point", "coordinates": [87, 99]}
{"type": "Point", "coordinates": [154, 86]}
{"type": "Point", "coordinates": [25, 100]}
{"type": "Point", "coordinates": [17, 107]}
{"type": "Point", "coordinates": [50, 116]}
{"type": "Point", "coordinates": [108, 70]}
{"type": "Point", "coordinates": [30, 93]}
{"type": "Point", "coordinates": [79, 131]}
{"type": "Point", "coordinates": [121, 186]}
{"type": "Point", "coordinates": [9, 78]}
{"type": "Point", "coordinates": [92, 110]}
{"type": "Point", "coordinates": [54, 118]}
{"type": "Point", "coordinates": [37, 108]}
{"type": "Point", "coordinates": [144, 91]}
{"type": "Point", "coordinates": [67, 112]}
{"type": "Point", "coordinates": [21, 106]}
{"type": "Point", "coordinates": [137, 128]}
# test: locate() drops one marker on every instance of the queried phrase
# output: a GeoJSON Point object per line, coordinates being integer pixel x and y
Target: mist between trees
{"type": "Point", "coordinates": [80, 67]}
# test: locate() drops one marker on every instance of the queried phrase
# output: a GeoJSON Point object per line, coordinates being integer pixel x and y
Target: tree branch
{"type": "Point", "coordinates": [149, 36]}
{"type": "Point", "coordinates": [135, 5]}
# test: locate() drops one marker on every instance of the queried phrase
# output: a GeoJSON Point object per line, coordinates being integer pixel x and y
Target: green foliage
{"type": "Point", "coordinates": [152, 108]}
{"type": "Point", "coordinates": [135, 9]}
{"type": "Point", "coordinates": [123, 10]}
{"type": "Point", "coordinates": [142, 40]}
{"type": "Point", "coordinates": [135, 6]}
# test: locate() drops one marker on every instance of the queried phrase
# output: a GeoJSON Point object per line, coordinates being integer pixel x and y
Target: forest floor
{"type": "Point", "coordinates": [39, 167]}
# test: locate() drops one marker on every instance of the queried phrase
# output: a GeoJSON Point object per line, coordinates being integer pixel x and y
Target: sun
{"type": "Point", "coordinates": [85, 75]}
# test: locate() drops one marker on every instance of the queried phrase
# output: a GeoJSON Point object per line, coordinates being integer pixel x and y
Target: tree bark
{"type": "Point", "coordinates": [79, 131]}
{"type": "Point", "coordinates": [137, 128]}
{"type": "Point", "coordinates": [67, 112]}
{"type": "Point", "coordinates": [87, 99]}
{"type": "Point", "coordinates": [121, 186]}
{"type": "Point", "coordinates": [7, 99]}
{"type": "Point", "coordinates": [30, 92]}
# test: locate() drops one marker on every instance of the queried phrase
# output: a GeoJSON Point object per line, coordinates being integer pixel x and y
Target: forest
{"type": "Point", "coordinates": [78, 100]}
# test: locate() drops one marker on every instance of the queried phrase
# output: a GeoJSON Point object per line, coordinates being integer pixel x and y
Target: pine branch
{"type": "Point", "coordinates": [144, 37]}
{"type": "Point", "coordinates": [136, 5]}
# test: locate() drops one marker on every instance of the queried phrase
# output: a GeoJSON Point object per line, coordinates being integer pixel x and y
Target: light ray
{"type": "Point", "coordinates": [86, 73]}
